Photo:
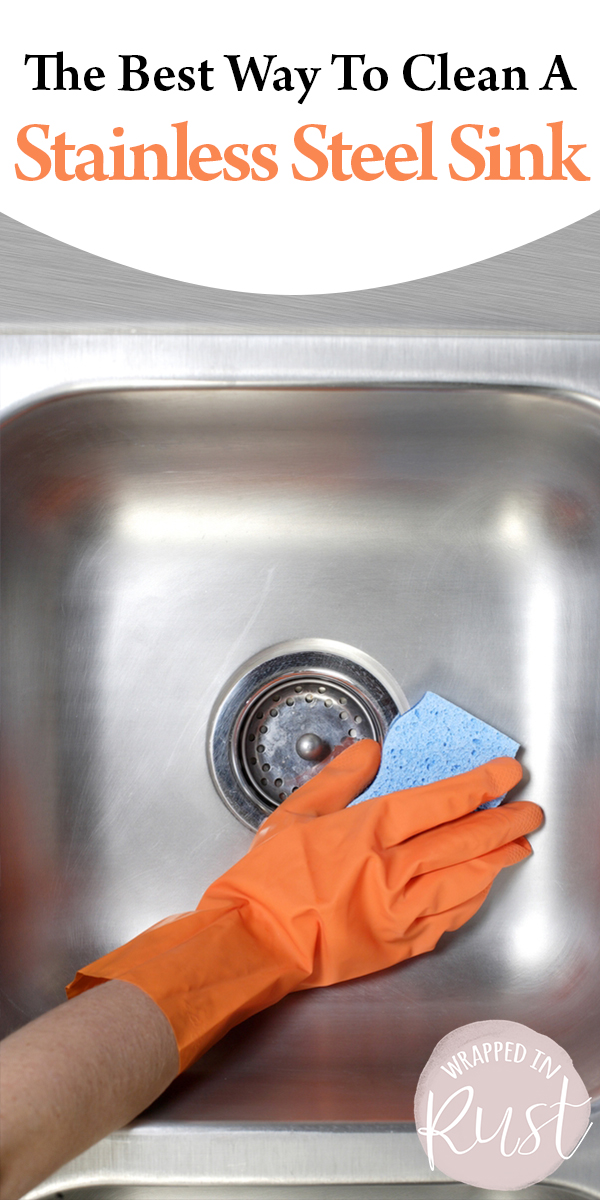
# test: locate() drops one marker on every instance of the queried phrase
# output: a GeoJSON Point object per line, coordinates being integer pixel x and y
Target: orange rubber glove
{"type": "Point", "coordinates": [326, 893]}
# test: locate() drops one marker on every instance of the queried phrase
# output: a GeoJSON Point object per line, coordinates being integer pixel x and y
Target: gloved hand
{"type": "Point", "coordinates": [327, 893]}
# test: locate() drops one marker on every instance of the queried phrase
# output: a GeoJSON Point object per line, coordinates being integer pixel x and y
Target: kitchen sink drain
{"type": "Point", "coordinates": [286, 712]}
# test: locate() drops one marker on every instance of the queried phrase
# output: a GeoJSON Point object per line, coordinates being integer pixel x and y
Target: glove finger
{"type": "Point", "coordinates": [402, 815]}
{"type": "Point", "coordinates": [441, 890]}
{"type": "Point", "coordinates": [469, 837]}
{"type": "Point", "coordinates": [342, 780]}
{"type": "Point", "coordinates": [453, 918]}
{"type": "Point", "coordinates": [426, 932]}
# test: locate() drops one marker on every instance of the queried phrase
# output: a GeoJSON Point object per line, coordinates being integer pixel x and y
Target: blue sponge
{"type": "Point", "coordinates": [432, 741]}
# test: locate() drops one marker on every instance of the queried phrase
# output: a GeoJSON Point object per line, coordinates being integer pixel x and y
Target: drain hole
{"type": "Point", "coordinates": [255, 765]}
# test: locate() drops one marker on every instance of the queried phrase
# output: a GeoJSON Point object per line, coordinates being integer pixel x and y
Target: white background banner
{"type": "Point", "coordinates": [284, 171]}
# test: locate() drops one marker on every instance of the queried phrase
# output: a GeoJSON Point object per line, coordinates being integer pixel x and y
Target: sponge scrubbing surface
{"type": "Point", "coordinates": [435, 740]}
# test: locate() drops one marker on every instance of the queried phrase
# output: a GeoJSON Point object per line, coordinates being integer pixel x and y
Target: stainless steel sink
{"type": "Point", "coordinates": [157, 536]}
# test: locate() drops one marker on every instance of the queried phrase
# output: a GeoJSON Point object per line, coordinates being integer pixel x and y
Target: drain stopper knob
{"type": "Point", "coordinates": [311, 747]}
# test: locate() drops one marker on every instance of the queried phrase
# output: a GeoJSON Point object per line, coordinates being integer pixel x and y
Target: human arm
{"type": "Point", "coordinates": [75, 1074]}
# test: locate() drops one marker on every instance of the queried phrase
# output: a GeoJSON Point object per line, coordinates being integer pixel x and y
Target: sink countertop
{"type": "Point", "coordinates": [37, 365]}
{"type": "Point", "coordinates": [549, 286]}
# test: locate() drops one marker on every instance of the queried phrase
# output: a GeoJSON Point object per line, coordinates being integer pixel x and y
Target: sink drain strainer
{"type": "Point", "coordinates": [285, 712]}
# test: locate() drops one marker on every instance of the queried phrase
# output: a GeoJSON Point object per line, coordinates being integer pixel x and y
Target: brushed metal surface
{"type": "Point", "coordinates": [39, 365]}
{"type": "Point", "coordinates": [254, 1163]}
{"type": "Point", "coordinates": [154, 539]}
{"type": "Point", "coordinates": [551, 285]}
{"type": "Point", "coordinates": [406, 1191]}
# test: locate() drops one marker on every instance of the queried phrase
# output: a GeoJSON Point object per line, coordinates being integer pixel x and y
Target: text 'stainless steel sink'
{"type": "Point", "coordinates": [153, 541]}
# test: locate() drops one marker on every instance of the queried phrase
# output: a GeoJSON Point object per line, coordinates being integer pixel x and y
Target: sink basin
{"type": "Point", "coordinates": [157, 537]}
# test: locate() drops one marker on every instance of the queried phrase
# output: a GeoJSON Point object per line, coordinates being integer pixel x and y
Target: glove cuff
{"type": "Point", "coordinates": [206, 971]}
